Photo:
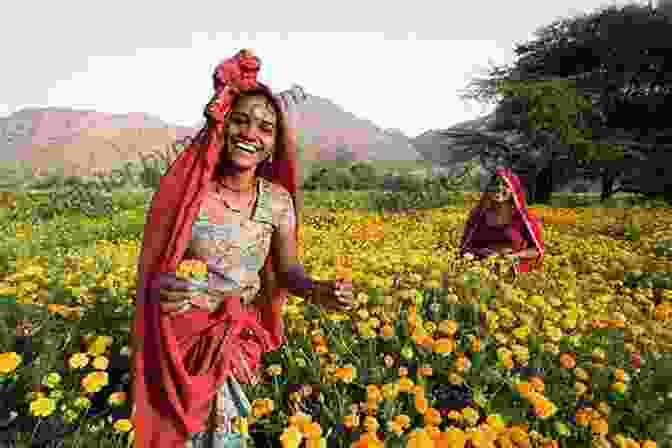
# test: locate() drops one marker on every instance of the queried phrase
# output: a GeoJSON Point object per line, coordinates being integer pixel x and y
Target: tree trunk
{"type": "Point", "coordinates": [544, 185]}
{"type": "Point", "coordinates": [608, 180]}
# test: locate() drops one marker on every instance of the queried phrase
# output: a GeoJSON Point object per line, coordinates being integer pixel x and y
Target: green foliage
{"type": "Point", "coordinates": [557, 107]}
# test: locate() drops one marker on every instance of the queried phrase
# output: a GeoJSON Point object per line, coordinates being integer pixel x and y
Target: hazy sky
{"type": "Point", "coordinates": [157, 57]}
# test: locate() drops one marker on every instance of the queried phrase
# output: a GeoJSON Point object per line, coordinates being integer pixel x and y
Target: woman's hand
{"type": "Point", "coordinates": [334, 295]}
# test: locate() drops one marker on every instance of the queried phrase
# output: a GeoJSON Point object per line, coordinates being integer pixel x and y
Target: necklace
{"type": "Point", "coordinates": [236, 210]}
{"type": "Point", "coordinates": [247, 190]}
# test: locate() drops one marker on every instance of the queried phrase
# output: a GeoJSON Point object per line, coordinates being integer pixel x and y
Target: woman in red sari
{"type": "Point", "coordinates": [502, 225]}
{"type": "Point", "coordinates": [230, 201]}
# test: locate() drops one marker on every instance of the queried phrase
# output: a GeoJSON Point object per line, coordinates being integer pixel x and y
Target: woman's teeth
{"type": "Point", "coordinates": [247, 147]}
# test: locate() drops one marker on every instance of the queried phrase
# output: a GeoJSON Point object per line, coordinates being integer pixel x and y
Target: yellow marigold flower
{"type": "Point", "coordinates": [496, 422]}
{"type": "Point", "coordinates": [9, 362]}
{"type": "Point", "coordinates": [100, 345]}
{"type": "Point", "coordinates": [101, 363]}
{"type": "Point", "coordinates": [618, 387]}
{"type": "Point", "coordinates": [420, 439]}
{"type": "Point", "coordinates": [430, 327]}
{"type": "Point", "coordinates": [391, 391]}
{"type": "Point", "coordinates": [117, 398]}
{"type": "Point", "coordinates": [453, 438]}
{"type": "Point", "coordinates": [518, 435]}
{"type": "Point", "coordinates": [405, 384]}
{"type": "Point", "coordinates": [43, 407]}
{"type": "Point", "coordinates": [78, 361]}
{"type": "Point", "coordinates": [582, 374]}
{"type": "Point", "coordinates": [455, 379]}
{"type": "Point", "coordinates": [95, 381]}
{"type": "Point", "coordinates": [122, 425]}
{"type": "Point", "coordinates": [454, 415]}
{"type": "Point", "coordinates": [470, 415]}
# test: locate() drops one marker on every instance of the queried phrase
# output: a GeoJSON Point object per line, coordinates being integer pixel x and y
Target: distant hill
{"type": "Point", "coordinates": [83, 141]}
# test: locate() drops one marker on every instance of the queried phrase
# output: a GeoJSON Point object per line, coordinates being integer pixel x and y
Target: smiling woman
{"type": "Point", "coordinates": [229, 201]}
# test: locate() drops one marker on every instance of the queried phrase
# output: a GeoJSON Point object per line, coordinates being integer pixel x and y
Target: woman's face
{"type": "Point", "coordinates": [251, 131]}
{"type": "Point", "coordinates": [499, 190]}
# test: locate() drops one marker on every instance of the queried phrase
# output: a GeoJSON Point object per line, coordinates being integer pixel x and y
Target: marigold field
{"type": "Point", "coordinates": [576, 355]}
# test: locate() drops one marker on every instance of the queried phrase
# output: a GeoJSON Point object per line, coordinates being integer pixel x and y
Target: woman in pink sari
{"type": "Point", "coordinates": [230, 201]}
{"type": "Point", "coordinates": [502, 225]}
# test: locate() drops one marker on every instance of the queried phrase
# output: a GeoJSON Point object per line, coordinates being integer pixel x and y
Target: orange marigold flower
{"type": "Point", "coordinates": [346, 374]}
{"type": "Point", "coordinates": [537, 384]}
{"type": "Point", "coordinates": [371, 424]}
{"type": "Point", "coordinates": [421, 404]}
{"type": "Point", "coordinates": [599, 426]}
{"type": "Point", "coordinates": [396, 428]}
{"type": "Point", "coordinates": [432, 417]}
{"type": "Point", "coordinates": [567, 360]}
{"type": "Point", "coordinates": [584, 416]}
{"type": "Point", "coordinates": [448, 327]}
{"type": "Point", "coordinates": [373, 393]}
{"type": "Point", "coordinates": [619, 374]}
{"type": "Point", "coordinates": [462, 363]}
{"type": "Point", "coordinates": [425, 370]}
{"type": "Point", "coordinates": [444, 346]}
{"type": "Point", "coordinates": [476, 344]}
{"type": "Point", "coordinates": [524, 389]}
{"type": "Point", "coordinates": [405, 384]}
{"type": "Point", "coordinates": [454, 415]}
{"type": "Point", "coordinates": [351, 421]}
{"type": "Point", "coordinates": [387, 331]}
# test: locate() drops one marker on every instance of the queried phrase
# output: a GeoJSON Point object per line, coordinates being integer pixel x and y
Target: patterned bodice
{"type": "Point", "coordinates": [234, 247]}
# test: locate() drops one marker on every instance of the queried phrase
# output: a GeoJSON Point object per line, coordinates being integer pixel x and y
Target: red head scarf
{"type": "Point", "coordinates": [531, 225]}
{"type": "Point", "coordinates": [167, 231]}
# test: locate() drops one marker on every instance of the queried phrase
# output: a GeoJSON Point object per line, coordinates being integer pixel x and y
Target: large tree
{"type": "Point", "coordinates": [619, 62]}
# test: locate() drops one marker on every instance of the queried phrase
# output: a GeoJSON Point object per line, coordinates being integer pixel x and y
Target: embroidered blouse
{"type": "Point", "coordinates": [233, 247]}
